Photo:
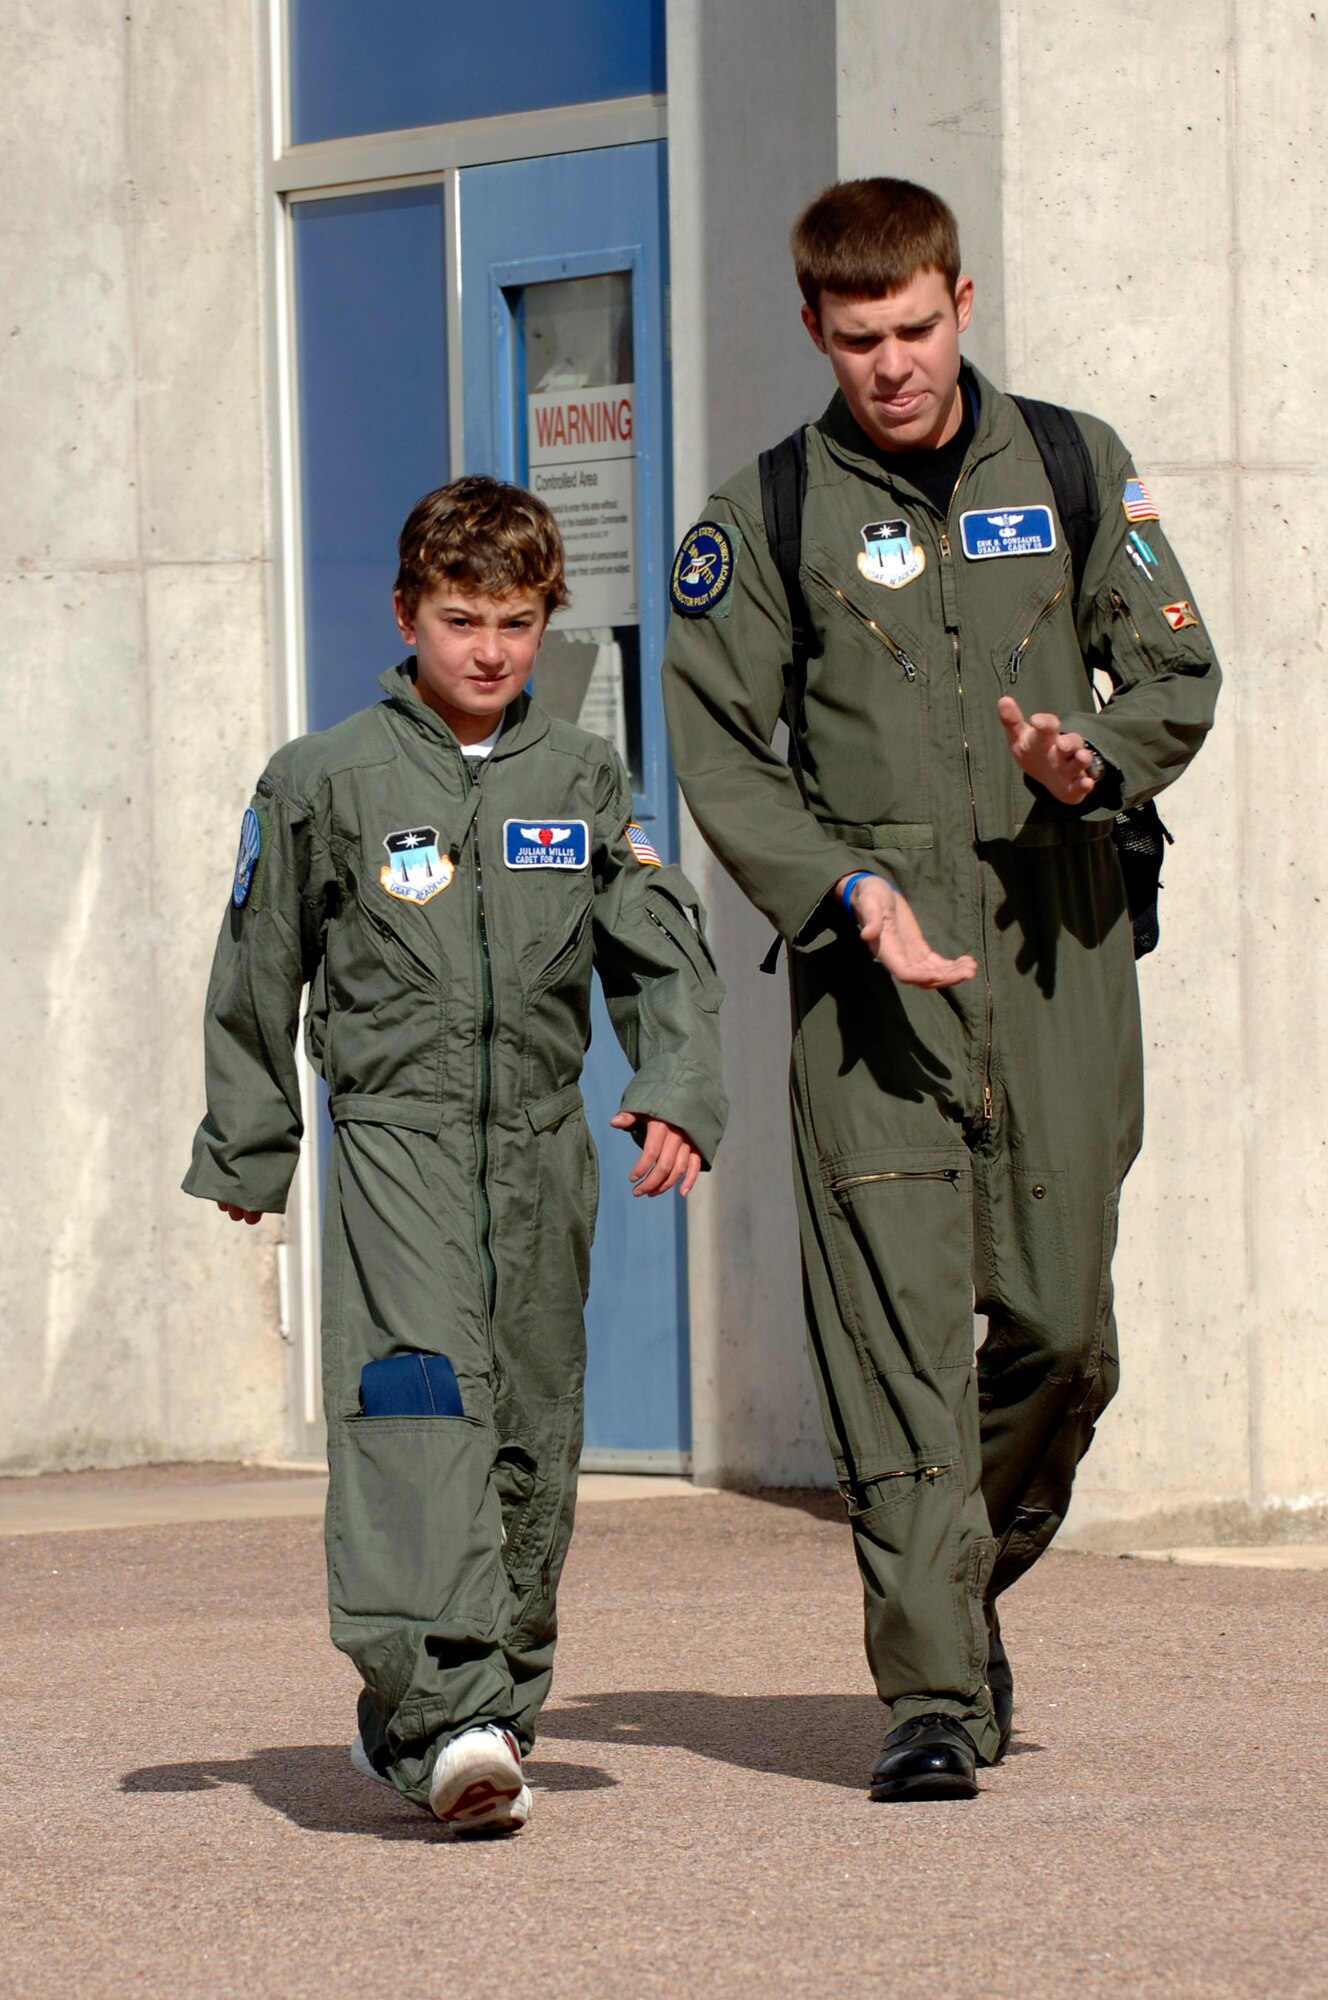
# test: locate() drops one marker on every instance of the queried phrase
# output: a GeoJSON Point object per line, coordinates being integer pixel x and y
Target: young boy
{"type": "Point", "coordinates": [442, 871]}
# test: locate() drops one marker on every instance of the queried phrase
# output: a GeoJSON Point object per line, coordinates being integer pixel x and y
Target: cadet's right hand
{"type": "Point", "coordinates": [893, 936]}
{"type": "Point", "coordinates": [240, 1214]}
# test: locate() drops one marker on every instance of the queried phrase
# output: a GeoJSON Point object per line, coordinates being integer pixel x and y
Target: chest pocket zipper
{"type": "Point", "coordinates": [892, 646]}
{"type": "Point", "coordinates": [1017, 656]}
{"type": "Point", "coordinates": [385, 930]}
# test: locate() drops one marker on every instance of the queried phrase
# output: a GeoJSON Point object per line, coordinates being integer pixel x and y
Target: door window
{"type": "Point", "coordinates": [579, 409]}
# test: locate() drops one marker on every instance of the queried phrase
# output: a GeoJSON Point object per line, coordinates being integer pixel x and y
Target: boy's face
{"type": "Point", "coordinates": [897, 358]}
{"type": "Point", "coordinates": [473, 653]}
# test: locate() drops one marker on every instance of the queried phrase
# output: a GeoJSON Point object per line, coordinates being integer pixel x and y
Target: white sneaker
{"type": "Point", "coordinates": [477, 1785]}
{"type": "Point", "coordinates": [359, 1758]}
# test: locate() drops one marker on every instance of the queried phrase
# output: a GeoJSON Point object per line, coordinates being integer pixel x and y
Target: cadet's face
{"type": "Point", "coordinates": [473, 654]}
{"type": "Point", "coordinates": [897, 358]}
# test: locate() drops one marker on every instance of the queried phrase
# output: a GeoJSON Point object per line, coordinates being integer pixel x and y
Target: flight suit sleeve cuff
{"type": "Point", "coordinates": [684, 1094]}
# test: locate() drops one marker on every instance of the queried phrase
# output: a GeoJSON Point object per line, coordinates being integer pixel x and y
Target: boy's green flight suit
{"type": "Point", "coordinates": [968, 1143]}
{"type": "Point", "coordinates": [449, 1013]}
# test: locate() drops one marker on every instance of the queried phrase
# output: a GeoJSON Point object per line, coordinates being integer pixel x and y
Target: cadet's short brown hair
{"type": "Point", "coordinates": [867, 239]}
{"type": "Point", "coordinates": [484, 537]}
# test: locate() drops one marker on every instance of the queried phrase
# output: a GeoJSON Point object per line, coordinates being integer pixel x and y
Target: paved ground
{"type": "Point", "coordinates": [178, 1818]}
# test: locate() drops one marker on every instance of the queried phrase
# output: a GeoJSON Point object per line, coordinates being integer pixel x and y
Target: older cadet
{"type": "Point", "coordinates": [967, 1067]}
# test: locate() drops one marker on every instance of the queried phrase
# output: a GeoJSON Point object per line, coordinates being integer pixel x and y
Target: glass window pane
{"type": "Point", "coordinates": [381, 65]}
{"type": "Point", "coordinates": [370, 326]}
{"type": "Point", "coordinates": [575, 344]}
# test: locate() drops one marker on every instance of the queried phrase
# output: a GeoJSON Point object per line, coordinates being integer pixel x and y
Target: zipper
{"type": "Point", "coordinates": [892, 646]}
{"type": "Point", "coordinates": [988, 1104]}
{"type": "Point", "coordinates": [950, 1174]}
{"type": "Point", "coordinates": [385, 930]}
{"type": "Point", "coordinates": [486, 1068]}
{"type": "Point", "coordinates": [1122, 610]}
{"type": "Point", "coordinates": [1016, 657]}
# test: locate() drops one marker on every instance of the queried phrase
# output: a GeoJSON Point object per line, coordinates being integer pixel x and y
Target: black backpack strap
{"type": "Point", "coordinates": [1063, 452]}
{"type": "Point", "coordinates": [783, 469]}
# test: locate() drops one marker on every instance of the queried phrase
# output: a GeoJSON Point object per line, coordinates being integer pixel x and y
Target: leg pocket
{"type": "Point", "coordinates": [414, 1527]}
{"type": "Point", "coordinates": [900, 1239]}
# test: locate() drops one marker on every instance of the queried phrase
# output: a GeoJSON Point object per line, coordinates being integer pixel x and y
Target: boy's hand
{"type": "Point", "coordinates": [240, 1214]}
{"type": "Point", "coordinates": [668, 1156]}
{"type": "Point", "coordinates": [893, 936]}
{"type": "Point", "coordinates": [1059, 760]}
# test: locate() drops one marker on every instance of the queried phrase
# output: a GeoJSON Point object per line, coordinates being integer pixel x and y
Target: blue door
{"type": "Point", "coordinates": [563, 275]}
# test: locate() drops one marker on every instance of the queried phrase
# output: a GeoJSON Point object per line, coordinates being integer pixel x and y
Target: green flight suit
{"type": "Point", "coordinates": [966, 1144]}
{"type": "Point", "coordinates": [450, 1024]}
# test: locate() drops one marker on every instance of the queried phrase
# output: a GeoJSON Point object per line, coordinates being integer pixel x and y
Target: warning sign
{"type": "Point", "coordinates": [583, 466]}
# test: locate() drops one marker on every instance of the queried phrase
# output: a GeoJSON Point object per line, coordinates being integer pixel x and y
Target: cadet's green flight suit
{"type": "Point", "coordinates": [462, 1184]}
{"type": "Point", "coordinates": [973, 1140]}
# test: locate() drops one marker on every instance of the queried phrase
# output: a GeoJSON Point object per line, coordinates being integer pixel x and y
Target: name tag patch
{"type": "Point", "coordinates": [1007, 531]}
{"type": "Point", "coordinates": [560, 844]}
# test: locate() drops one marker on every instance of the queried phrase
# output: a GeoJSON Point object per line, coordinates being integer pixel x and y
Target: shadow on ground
{"type": "Point", "coordinates": [313, 1785]}
{"type": "Point", "coordinates": [822, 1739]}
{"type": "Point", "coordinates": [828, 1739]}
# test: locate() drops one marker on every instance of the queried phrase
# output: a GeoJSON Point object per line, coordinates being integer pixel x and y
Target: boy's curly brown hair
{"type": "Point", "coordinates": [484, 537]}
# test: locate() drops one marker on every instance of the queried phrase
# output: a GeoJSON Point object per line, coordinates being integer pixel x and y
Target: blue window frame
{"type": "Point", "coordinates": [384, 65]}
{"type": "Point", "coordinates": [371, 330]}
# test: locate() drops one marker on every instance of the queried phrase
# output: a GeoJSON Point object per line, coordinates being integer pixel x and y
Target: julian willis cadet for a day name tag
{"type": "Point", "coordinates": [1007, 531]}
{"type": "Point", "coordinates": [531, 843]}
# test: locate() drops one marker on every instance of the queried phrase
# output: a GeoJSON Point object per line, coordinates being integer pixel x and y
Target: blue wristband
{"type": "Point", "coordinates": [863, 875]}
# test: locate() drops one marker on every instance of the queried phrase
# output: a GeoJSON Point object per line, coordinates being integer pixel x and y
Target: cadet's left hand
{"type": "Point", "coordinates": [1058, 759]}
{"type": "Point", "coordinates": [667, 1155]}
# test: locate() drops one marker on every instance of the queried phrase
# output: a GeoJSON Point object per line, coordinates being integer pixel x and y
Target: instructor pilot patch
{"type": "Point", "coordinates": [702, 569]}
{"type": "Point", "coordinates": [415, 869]}
{"type": "Point", "coordinates": [528, 844]}
{"type": "Point", "coordinates": [891, 556]}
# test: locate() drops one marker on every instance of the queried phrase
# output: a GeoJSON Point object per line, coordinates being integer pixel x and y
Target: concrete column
{"type": "Point", "coordinates": [133, 1323]}
{"type": "Point", "coordinates": [751, 140]}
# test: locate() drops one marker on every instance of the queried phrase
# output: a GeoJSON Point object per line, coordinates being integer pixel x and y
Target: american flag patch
{"type": "Point", "coordinates": [1138, 502]}
{"type": "Point", "coordinates": [641, 845]}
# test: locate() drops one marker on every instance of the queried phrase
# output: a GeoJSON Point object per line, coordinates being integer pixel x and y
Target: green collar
{"type": "Point", "coordinates": [524, 721]}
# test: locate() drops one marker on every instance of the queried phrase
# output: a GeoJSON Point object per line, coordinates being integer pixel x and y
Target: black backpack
{"type": "Point", "coordinates": [1139, 834]}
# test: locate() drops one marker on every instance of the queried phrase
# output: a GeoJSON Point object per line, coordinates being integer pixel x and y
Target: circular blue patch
{"type": "Point", "coordinates": [251, 846]}
{"type": "Point", "coordinates": [702, 569]}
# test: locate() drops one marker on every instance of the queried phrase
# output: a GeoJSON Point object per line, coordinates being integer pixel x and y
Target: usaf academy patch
{"type": "Point", "coordinates": [526, 844]}
{"type": "Point", "coordinates": [890, 555]}
{"type": "Point", "coordinates": [415, 870]}
{"type": "Point", "coordinates": [702, 569]}
{"type": "Point", "coordinates": [251, 846]}
{"type": "Point", "coordinates": [1008, 531]}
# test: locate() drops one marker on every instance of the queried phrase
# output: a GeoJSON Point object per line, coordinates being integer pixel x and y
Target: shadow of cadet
{"type": "Point", "coordinates": [314, 1785]}
{"type": "Point", "coordinates": [828, 1739]}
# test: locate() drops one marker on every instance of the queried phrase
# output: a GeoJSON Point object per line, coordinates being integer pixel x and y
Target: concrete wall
{"type": "Point", "coordinates": [133, 1323]}
{"type": "Point", "coordinates": [1164, 248]}
{"type": "Point", "coordinates": [1141, 204]}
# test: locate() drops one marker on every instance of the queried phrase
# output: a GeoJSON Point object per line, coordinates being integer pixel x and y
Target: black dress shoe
{"type": "Point", "coordinates": [927, 1757]}
{"type": "Point", "coordinates": [1000, 1679]}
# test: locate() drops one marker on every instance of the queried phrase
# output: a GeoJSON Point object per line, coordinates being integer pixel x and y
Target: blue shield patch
{"type": "Point", "coordinates": [415, 870]}
{"type": "Point", "coordinates": [1007, 531]}
{"type": "Point", "coordinates": [889, 554]}
{"type": "Point", "coordinates": [251, 846]}
{"type": "Point", "coordinates": [531, 843]}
